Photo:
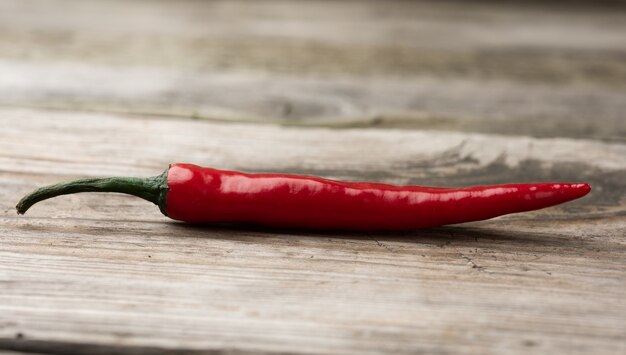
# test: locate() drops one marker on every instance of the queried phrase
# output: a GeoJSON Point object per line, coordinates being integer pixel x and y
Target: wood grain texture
{"type": "Point", "coordinates": [538, 70]}
{"type": "Point", "coordinates": [107, 273]}
{"type": "Point", "coordinates": [406, 92]}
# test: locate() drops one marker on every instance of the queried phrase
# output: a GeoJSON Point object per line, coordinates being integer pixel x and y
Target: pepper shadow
{"type": "Point", "coordinates": [469, 235]}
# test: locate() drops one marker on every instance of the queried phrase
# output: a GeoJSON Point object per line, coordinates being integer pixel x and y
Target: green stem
{"type": "Point", "coordinates": [153, 189]}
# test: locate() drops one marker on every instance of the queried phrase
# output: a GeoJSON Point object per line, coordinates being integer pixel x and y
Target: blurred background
{"type": "Point", "coordinates": [526, 68]}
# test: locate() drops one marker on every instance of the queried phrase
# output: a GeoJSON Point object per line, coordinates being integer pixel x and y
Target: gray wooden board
{"type": "Point", "coordinates": [446, 93]}
{"type": "Point", "coordinates": [107, 273]}
{"type": "Point", "coordinates": [538, 70]}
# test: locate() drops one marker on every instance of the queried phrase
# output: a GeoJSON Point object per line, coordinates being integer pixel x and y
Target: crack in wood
{"type": "Point", "coordinates": [471, 262]}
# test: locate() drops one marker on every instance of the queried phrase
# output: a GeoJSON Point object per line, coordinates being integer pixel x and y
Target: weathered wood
{"type": "Point", "coordinates": [109, 272]}
{"type": "Point", "coordinates": [538, 70]}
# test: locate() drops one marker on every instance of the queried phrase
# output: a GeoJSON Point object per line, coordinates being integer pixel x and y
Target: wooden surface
{"type": "Point", "coordinates": [485, 67]}
{"type": "Point", "coordinates": [439, 93]}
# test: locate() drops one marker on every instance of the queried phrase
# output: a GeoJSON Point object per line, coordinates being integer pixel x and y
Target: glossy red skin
{"type": "Point", "coordinates": [206, 195]}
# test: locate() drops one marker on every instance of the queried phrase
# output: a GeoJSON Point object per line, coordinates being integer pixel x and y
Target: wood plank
{"type": "Point", "coordinates": [423, 103]}
{"type": "Point", "coordinates": [548, 71]}
{"type": "Point", "coordinates": [109, 271]}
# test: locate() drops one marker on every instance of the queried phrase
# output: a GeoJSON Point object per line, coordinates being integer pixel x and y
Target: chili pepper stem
{"type": "Point", "coordinates": [153, 189]}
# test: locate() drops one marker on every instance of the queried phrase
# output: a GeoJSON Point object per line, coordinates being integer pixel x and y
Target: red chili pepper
{"type": "Point", "coordinates": [203, 195]}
